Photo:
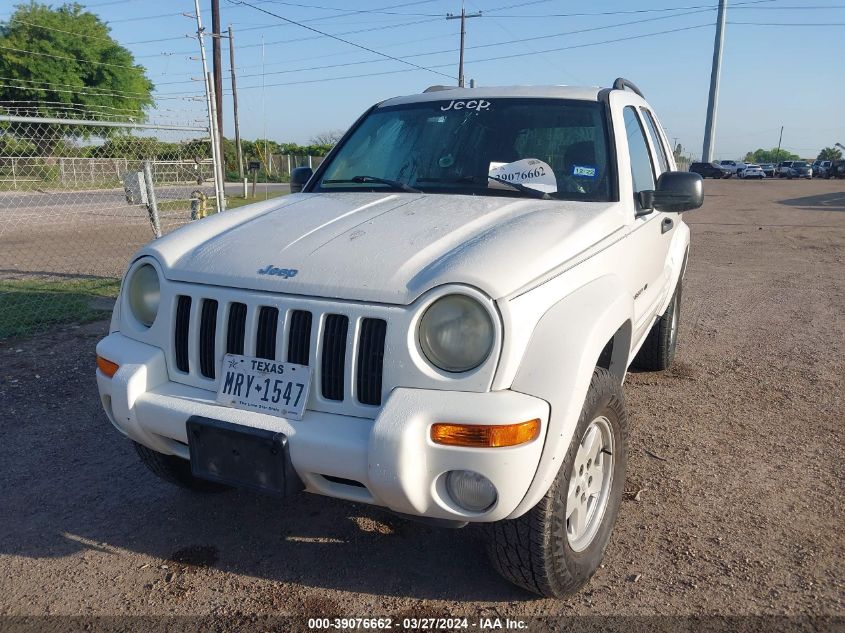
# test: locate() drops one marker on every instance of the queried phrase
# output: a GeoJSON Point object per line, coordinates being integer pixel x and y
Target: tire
{"type": "Point", "coordinates": [658, 351]}
{"type": "Point", "coordinates": [536, 551]}
{"type": "Point", "coordinates": [175, 470]}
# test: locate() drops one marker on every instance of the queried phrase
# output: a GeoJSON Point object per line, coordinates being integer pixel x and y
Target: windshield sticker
{"type": "Point", "coordinates": [584, 171]}
{"type": "Point", "coordinates": [472, 104]}
{"type": "Point", "coordinates": [530, 172]}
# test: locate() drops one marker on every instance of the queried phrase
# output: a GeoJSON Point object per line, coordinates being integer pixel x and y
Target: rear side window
{"type": "Point", "coordinates": [656, 140]}
{"type": "Point", "coordinates": [642, 171]}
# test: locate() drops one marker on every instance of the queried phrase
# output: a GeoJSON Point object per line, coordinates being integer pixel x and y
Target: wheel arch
{"type": "Point", "coordinates": [592, 325]}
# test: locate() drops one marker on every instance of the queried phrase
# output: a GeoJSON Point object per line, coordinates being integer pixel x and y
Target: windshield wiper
{"type": "Point", "coordinates": [522, 188]}
{"type": "Point", "coordinates": [393, 184]}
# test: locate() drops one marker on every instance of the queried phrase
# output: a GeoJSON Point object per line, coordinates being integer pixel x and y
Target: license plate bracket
{"type": "Point", "coordinates": [242, 456]}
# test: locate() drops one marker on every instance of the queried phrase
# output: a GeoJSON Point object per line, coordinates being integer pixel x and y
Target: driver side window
{"type": "Point", "coordinates": [642, 170]}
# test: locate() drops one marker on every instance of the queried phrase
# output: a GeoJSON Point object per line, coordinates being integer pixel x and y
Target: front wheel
{"type": "Point", "coordinates": [555, 547]}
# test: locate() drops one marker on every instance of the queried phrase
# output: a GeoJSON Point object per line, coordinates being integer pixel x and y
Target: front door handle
{"type": "Point", "coordinates": [666, 225]}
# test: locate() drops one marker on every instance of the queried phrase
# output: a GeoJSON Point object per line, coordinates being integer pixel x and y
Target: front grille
{"type": "Point", "coordinates": [208, 332]}
{"type": "Point", "coordinates": [334, 356]}
{"type": "Point", "coordinates": [236, 329]}
{"type": "Point", "coordinates": [183, 323]}
{"type": "Point", "coordinates": [265, 340]}
{"type": "Point", "coordinates": [371, 360]}
{"type": "Point", "coordinates": [299, 343]}
{"type": "Point", "coordinates": [278, 331]}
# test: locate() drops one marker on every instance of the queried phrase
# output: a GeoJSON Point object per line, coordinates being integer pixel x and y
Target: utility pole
{"type": "Point", "coordinates": [777, 153]}
{"type": "Point", "coordinates": [219, 191]}
{"type": "Point", "coordinates": [710, 125]}
{"type": "Point", "coordinates": [217, 67]}
{"type": "Point", "coordinates": [463, 17]}
{"type": "Point", "coordinates": [238, 149]}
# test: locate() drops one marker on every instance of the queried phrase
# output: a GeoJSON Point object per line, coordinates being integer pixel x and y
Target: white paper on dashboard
{"type": "Point", "coordinates": [530, 172]}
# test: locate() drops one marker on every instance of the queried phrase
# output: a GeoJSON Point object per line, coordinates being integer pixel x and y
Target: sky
{"type": "Point", "coordinates": [782, 61]}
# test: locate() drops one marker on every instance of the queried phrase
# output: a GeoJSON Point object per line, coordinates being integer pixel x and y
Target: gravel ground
{"type": "Point", "coordinates": [734, 500]}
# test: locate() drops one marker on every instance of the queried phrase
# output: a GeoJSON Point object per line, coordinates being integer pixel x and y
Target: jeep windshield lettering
{"type": "Point", "coordinates": [497, 147]}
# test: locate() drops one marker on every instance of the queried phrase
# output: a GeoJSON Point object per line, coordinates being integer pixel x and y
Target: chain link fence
{"type": "Point", "coordinates": [77, 198]}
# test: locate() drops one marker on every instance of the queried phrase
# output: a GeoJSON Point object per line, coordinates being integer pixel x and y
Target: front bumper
{"type": "Point", "coordinates": [389, 461]}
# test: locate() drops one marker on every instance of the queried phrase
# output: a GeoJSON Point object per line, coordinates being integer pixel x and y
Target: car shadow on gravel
{"type": "Point", "coordinates": [822, 202]}
{"type": "Point", "coordinates": [71, 487]}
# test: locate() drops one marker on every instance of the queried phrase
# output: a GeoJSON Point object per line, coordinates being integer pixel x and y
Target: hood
{"type": "Point", "coordinates": [383, 247]}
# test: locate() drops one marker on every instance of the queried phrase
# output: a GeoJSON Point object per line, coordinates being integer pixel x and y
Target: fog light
{"type": "Point", "coordinates": [470, 490]}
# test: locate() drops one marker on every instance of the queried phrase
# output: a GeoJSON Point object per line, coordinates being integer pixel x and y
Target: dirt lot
{"type": "Point", "coordinates": [737, 455]}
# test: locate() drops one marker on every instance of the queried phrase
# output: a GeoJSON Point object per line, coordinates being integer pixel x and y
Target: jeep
{"type": "Point", "coordinates": [439, 323]}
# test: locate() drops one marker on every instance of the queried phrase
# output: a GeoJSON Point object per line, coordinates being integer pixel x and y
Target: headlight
{"type": "Point", "coordinates": [143, 294]}
{"type": "Point", "coordinates": [456, 333]}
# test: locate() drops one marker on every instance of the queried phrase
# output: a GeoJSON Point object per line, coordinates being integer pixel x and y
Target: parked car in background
{"type": "Point", "coordinates": [800, 169]}
{"type": "Point", "coordinates": [734, 166]}
{"type": "Point", "coordinates": [752, 171]}
{"type": "Point", "coordinates": [768, 169]}
{"type": "Point", "coordinates": [710, 170]}
{"type": "Point", "coordinates": [820, 168]}
{"type": "Point", "coordinates": [836, 169]}
{"type": "Point", "coordinates": [783, 168]}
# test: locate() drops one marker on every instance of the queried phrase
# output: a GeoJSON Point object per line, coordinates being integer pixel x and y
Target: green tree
{"type": "Point", "coordinates": [829, 153]}
{"type": "Point", "coordinates": [60, 61]}
{"type": "Point", "coordinates": [770, 156]}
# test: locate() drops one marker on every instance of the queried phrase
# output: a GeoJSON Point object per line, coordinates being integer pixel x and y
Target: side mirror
{"type": "Point", "coordinates": [299, 177]}
{"type": "Point", "coordinates": [676, 191]}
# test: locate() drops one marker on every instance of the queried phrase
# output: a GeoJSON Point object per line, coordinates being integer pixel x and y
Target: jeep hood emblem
{"type": "Point", "coordinates": [285, 273]}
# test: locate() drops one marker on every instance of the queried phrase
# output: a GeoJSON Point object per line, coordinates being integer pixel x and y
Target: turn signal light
{"type": "Point", "coordinates": [485, 435]}
{"type": "Point", "coordinates": [107, 367]}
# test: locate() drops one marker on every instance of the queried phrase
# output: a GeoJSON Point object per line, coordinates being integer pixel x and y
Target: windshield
{"type": "Point", "coordinates": [800, 164]}
{"type": "Point", "coordinates": [504, 147]}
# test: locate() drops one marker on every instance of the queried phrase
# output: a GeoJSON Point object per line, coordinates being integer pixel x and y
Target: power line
{"type": "Point", "coordinates": [624, 11]}
{"type": "Point", "coordinates": [77, 89]}
{"type": "Point", "coordinates": [72, 59]}
{"type": "Point", "coordinates": [490, 59]}
{"type": "Point", "coordinates": [339, 39]}
{"type": "Point", "coordinates": [169, 96]}
{"type": "Point", "coordinates": [788, 23]}
{"type": "Point", "coordinates": [477, 46]}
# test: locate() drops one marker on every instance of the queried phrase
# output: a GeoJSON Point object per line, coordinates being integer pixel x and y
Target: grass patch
{"type": "Point", "coordinates": [29, 306]}
{"type": "Point", "coordinates": [232, 202]}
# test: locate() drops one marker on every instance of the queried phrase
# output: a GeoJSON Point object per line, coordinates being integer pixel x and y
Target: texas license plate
{"type": "Point", "coordinates": [265, 386]}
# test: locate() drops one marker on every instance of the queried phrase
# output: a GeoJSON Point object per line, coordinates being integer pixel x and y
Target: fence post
{"type": "Point", "coordinates": [152, 206]}
{"type": "Point", "coordinates": [14, 180]}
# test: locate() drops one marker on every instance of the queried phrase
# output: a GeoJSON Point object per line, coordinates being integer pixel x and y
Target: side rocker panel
{"type": "Point", "coordinates": [559, 363]}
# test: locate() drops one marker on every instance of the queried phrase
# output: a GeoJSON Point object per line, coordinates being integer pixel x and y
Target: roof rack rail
{"type": "Point", "coordinates": [621, 83]}
{"type": "Point", "coordinates": [438, 88]}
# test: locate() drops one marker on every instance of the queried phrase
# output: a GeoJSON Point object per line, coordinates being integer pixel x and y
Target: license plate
{"type": "Point", "coordinates": [266, 386]}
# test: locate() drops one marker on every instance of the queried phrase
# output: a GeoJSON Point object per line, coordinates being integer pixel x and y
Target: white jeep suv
{"type": "Point", "coordinates": [439, 323]}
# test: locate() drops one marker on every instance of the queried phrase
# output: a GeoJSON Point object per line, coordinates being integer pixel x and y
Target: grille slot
{"type": "Point", "coordinates": [299, 338]}
{"type": "Point", "coordinates": [236, 329]}
{"type": "Point", "coordinates": [334, 356]}
{"type": "Point", "coordinates": [208, 332]}
{"type": "Point", "coordinates": [183, 326]}
{"type": "Point", "coordinates": [265, 338]}
{"type": "Point", "coordinates": [370, 361]}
